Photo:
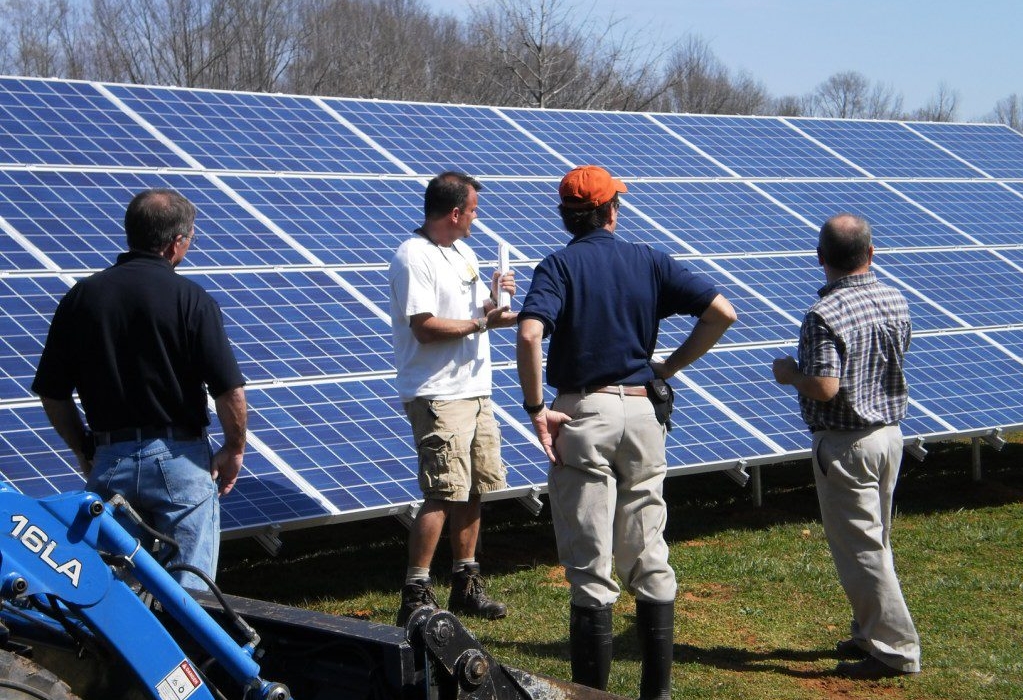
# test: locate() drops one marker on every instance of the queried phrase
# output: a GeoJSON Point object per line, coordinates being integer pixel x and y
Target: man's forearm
{"type": "Point", "coordinates": [233, 414]}
{"type": "Point", "coordinates": [529, 359]}
{"type": "Point", "coordinates": [67, 421]}
{"type": "Point", "coordinates": [708, 329]}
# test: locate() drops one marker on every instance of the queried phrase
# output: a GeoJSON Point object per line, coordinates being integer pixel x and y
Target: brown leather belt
{"type": "Point", "coordinates": [617, 389]}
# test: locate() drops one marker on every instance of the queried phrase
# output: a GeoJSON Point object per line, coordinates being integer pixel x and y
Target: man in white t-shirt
{"type": "Point", "coordinates": [440, 313]}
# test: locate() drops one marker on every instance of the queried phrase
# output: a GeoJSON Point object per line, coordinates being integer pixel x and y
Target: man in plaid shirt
{"type": "Point", "coordinates": [852, 395]}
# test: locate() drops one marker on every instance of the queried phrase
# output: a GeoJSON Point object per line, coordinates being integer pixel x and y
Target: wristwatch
{"type": "Point", "coordinates": [533, 410]}
{"type": "Point", "coordinates": [481, 324]}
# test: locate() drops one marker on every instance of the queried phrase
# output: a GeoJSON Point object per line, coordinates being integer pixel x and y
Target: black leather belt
{"type": "Point", "coordinates": [157, 432]}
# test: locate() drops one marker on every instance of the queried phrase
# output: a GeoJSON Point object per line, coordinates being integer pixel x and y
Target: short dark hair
{"type": "Point", "coordinates": [579, 222]}
{"type": "Point", "coordinates": [447, 191]}
{"type": "Point", "coordinates": [156, 217]}
{"type": "Point", "coordinates": [845, 241]}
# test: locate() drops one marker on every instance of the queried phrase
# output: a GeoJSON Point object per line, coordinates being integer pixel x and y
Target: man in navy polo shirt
{"type": "Point", "coordinates": [600, 300]}
{"type": "Point", "coordinates": [142, 345]}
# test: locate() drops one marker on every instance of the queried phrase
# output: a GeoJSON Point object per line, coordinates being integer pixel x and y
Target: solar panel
{"type": "Point", "coordinates": [757, 146]}
{"type": "Point", "coordinates": [432, 138]}
{"type": "Point", "coordinates": [59, 122]}
{"type": "Point", "coordinates": [988, 212]}
{"type": "Point", "coordinates": [254, 132]}
{"type": "Point", "coordinates": [897, 222]}
{"type": "Point", "coordinates": [884, 149]}
{"type": "Point", "coordinates": [994, 149]}
{"type": "Point", "coordinates": [628, 144]}
{"type": "Point", "coordinates": [75, 218]}
{"type": "Point", "coordinates": [302, 202]}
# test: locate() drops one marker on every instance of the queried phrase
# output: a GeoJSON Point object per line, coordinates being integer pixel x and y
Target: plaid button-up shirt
{"type": "Point", "coordinates": [858, 331]}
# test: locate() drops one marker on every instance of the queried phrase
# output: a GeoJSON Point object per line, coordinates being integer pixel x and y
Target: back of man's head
{"type": "Point", "coordinates": [844, 242]}
{"type": "Point", "coordinates": [155, 218]}
{"type": "Point", "coordinates": [447, 191]}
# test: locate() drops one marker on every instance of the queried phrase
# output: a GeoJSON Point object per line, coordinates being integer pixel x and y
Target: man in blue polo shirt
{"type": "Point", "coordinates": [600, 300]}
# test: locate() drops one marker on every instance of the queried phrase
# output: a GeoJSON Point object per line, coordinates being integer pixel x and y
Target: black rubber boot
{"type": "Point", "coordinates": [590, 640]}
{"type": "Point", "coordinates": [655, 626]}
{"type": "Point", "coordinates": [415, 595]}
{"type": "Point", "coordinates": [469, 596]}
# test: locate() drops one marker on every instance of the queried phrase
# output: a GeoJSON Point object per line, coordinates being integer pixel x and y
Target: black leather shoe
{"type": "Point", "coordinates": [870, 669]}
{"type": "Point", "coordinates": [849, 649]}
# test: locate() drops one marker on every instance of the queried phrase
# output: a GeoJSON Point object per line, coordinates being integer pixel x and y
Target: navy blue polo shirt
{"type": "Point", "coordinates": [600, 300]}
{"type": "Point", "coordinates": [141, 344]}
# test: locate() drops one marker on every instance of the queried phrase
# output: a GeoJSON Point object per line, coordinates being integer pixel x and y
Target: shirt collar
{"type": "Point", "coordinates": [860, 280]}
{"type": "Point", "coordinates": [153, 258]}
{"type": "Point", "coordinates": [595, 233]}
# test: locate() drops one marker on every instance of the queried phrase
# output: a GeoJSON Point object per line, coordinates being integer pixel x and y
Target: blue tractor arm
{"type": "Point", "coordinates": [80, 597]}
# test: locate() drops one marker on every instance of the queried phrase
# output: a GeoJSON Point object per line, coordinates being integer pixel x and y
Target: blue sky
{"type": "Point", "coordinates": [974, 46]}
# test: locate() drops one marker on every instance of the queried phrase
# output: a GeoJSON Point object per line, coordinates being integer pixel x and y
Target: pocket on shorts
{"type": "Point", "coordinates": [436, 459]}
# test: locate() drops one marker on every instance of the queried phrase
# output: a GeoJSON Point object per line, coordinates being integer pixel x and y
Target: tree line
{"type": "Point", "coordinates": [517, 53]}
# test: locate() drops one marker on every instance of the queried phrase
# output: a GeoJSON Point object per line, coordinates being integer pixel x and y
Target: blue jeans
{"type": "Point", "coordinates": [168, 482]}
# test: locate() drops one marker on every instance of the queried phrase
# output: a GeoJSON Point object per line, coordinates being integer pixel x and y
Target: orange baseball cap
{"type": "Point", "coordinates": [588, 186]}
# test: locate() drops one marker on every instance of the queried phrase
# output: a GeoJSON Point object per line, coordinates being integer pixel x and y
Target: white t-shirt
{"type": "Point", "coordinates": [445, 282]}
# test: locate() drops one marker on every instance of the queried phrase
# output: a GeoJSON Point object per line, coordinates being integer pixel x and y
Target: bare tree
{"type": "Point", "coordinates": [550, 53]}
{"type": "Point", "coordinates": [700, 83]}
{"type": "Point", "coordinates": [43, 38]}
{"type": "Point", "coordinates": [375, 48]}
{"type": "Point", "coordinates": [850, 95]}
{"type": "Point", "coordinates": [941, 107]}
{"type": "Point", "coordinates": [1009, 111]}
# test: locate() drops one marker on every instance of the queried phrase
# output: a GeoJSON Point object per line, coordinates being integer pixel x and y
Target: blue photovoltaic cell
{"type": "Point", "coordinates": [966, 380]}
{"type": "Point", "coordinates": [1013, 256]}
{"type": "Point", "coordinates": [1010, 340]}
{"type": "Point", "coordinates": [254, 132]}
{"type": "Point", "coordinates": [974, 285]}
{"type": "Point", "coordinates": [749, 284]}
{"type": "Point", "coordinates": [33, 458]}
{"type": "Point", "coordinates": [433, 138]}
{"type": "Point", "coordinates": [994, 148]}
{"type": "Point", "coordinates": [339, 221]}
{"type": "Point", "coordinates": [626, 143]}
{"type": "Point", "coordinates": [67, 123]}
{"type": "Point", "coordinates": [263, 495]}
{"type": "Point", "coordinates": [757, 146]}
{"type": "Point", "coordinates": [525, 214]}
{"type": "Point", "coordinates": [720, 217]}
{"type": "Point", "coordinates": [896, 222]}
{"type": "Point", "coordinates": [26, 307]}
{"type": "Point", "coordinates": [885, 149]}
{"type": "Point", "coordinates": [987, 211]}
{"type": "Point", "coordinates": [349, 440]}
{"type": "Point", "coordinates": [785, 284]}
{"type": "Point", "coordinates": [742, 380]}
{"type": "Point", "coordinates": [77, 218]}
{"type": "Point", "coordinates": [287, 325]}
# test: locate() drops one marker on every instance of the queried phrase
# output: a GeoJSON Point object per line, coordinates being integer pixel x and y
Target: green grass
{"type": "Point", "coordinates": [759, 606]}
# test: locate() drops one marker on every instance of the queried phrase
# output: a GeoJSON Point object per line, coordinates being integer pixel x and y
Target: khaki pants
{"type": "Point", "coordinates": [606, 499]}
{"type": "Point", "coordinates": [855, 472]}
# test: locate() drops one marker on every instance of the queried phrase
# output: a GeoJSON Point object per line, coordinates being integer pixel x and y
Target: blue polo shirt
{"type": "Point", "coordinates": [600, 300]}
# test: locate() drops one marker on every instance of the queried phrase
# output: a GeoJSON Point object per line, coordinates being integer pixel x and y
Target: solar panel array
{"type": "Point", "coordinates": [302, 201]}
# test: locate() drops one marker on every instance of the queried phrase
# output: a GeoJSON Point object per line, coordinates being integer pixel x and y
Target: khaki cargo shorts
{"type": "Point", "coordinates": [459, 446]}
